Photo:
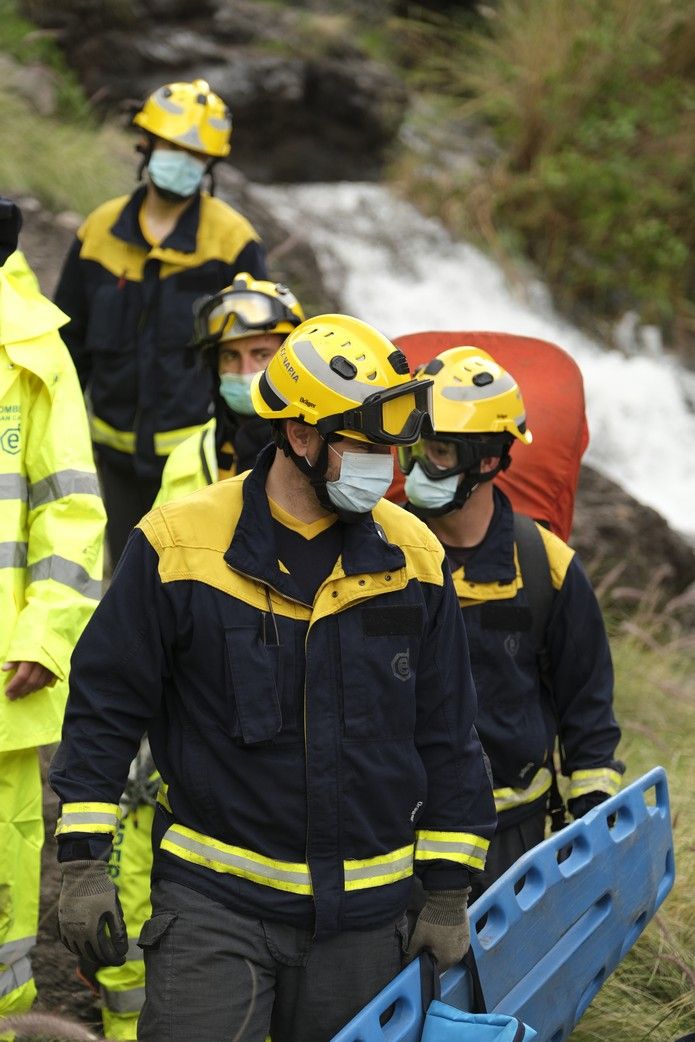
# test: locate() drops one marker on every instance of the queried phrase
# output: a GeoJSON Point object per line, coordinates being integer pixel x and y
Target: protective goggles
{"type": "Point", "coordinates": [393, 416]}
{"type": "Point", "coordinates": [238, 313]}
{"type": "Point", "coordinates": [442, 457]}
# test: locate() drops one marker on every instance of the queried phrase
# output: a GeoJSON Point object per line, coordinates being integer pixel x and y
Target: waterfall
{"type": "Point", "coordinates": [403, 273]}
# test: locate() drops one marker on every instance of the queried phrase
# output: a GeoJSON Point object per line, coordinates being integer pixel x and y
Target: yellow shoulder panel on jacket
{"type": "Point", "coordinates": [222, 235]}
{"type": "Point", "coordinates": [559, 556]}
{"type": "Point", "coordinates": [423, 551]}
{"type": "Point", "coordinates": [206, 519]}
{"type": "Point", "coordinates": [190, 537]}
{"type": "Point", "coordinates": [98, 244]}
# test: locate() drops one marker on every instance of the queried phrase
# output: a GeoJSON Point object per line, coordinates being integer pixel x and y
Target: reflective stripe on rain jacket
{"type": "Point", "coordinates": [131, 310]}
{"type": "Point", "coordinates": [312, 754]}
{"type": "Point", "coordinates": [51, 515]}
{"type": "Point", "coordinates": [517, 720]}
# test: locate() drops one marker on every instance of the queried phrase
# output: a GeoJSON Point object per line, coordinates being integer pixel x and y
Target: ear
{"type": "Point", "coordinates": [301, 436]}
{"type": "Point", "coordinates": [489, 463]}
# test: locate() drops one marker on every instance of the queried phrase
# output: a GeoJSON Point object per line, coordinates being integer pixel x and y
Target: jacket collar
{"type": "Point", "coordinates": [493, 559]}
{"type": "Point", "coordinates": [183, 238]}
{"type": "Point", "coordinates": [253, 551]}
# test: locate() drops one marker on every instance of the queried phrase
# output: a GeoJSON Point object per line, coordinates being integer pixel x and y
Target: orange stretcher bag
{"type": "Point", "coordinates": [542, 479]}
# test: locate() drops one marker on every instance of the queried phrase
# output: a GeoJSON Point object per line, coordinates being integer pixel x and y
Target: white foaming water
{"type": "Point", "coordinates": [390, 266]}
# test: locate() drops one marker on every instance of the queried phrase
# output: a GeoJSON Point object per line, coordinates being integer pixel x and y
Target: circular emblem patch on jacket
{"type": "Point", "coordinates": [400, 664]}
{"type": "Point", "coordinates": [511, 644]}
{"type": "Point", "coordinates": [9, 441]}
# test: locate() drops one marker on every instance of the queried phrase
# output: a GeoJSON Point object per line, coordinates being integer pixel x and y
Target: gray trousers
{"type": "Point", "coordinates": [215, 976]}
{"type": "Point", "coordinates": [506, 848]}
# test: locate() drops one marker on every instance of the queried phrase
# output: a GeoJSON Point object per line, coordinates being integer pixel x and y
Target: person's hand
{"type": "Point", "coordinates": [442, 927]}
{"type": "Point", "coordinates": [581, 805]}
{"type": "Point", "coordinates": [90, 919]}
{"type": "Point", "coordinates": [29, 677]}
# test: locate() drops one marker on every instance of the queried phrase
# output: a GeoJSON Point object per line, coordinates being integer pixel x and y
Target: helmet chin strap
{"type": "Point", "coordinates": [472, 478]}
{"type": "Point", "coordinates": [316, 473]}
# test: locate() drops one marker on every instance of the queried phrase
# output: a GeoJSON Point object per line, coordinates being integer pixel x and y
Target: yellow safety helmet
{"type": "Point", "coordinates": [189, 115]}
{"type": "Point", "coordinates": [346, 379]}
{"type": "Point", "coordinates": [477, 411]}
{"type": "Point", "coordinates": [246, 307]}
{"type": "Point", "coordinates": [472, 394]}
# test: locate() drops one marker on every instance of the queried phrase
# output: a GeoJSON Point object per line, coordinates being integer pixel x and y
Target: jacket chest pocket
{"type": "Point", "coordinates": [110, 329]}
{"type": "Point", "coordinates": [260, 675]}
{"type": "Point", "coordinates": [379, 650]}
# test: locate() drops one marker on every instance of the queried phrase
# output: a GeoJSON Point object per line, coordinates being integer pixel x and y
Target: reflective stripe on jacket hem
{"type": "Point", "coordinates": [104, 434]}
{"type": "Point", "coordinates": [166, 441]}
{"type": "Point", "coordinates": [291, 876]}
{"type": "Point", "coordinates": [597, 779]}
{"type": "Point", "coordinates": [88, 817]}
{"type": "Point", "coordinates": [124, 441]}
{"type": "Point", "coordinates": [129, 1001]}
{"type": "Point", "coordinates": [506, 799]}
{"type": "Point", "coordinates": [464, 848]}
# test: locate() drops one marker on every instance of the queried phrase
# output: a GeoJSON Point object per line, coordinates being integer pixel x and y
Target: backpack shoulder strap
{"type": "Point", "coordinates": [535, 572]}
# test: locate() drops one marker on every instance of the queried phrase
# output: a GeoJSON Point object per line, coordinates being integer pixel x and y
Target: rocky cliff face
{"type": "Point", "coordinates": [307, 103]}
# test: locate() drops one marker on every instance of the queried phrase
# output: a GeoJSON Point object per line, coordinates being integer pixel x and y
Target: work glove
{"type": "Point", "coordinates": [90, 919]}
{"type": "Point", "coordinates": [442, 927]}
{"type": "Point", "coordinates": [581, 805]}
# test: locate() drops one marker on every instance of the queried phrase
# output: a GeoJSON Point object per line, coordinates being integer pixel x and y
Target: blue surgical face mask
{"type": "Point", "coordinates": [363, 480]}
{"type": "Point", "coordinates": [235, 388]}
{"type": "Point", "coordinates": [422, 491]}
{"type": "Point", "coordinates": [175, 171]}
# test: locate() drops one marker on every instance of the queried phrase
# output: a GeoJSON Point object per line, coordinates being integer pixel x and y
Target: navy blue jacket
{"type": "Point", "coordinates": [131, 320]}
{"type": "Point", "coordinates": [518, 717]}
{"type": "Point", "coordinates": [312, 754]}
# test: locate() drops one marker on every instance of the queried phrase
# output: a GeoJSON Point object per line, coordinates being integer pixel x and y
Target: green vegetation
{"type": "Point", "coordinates": [21, 40]}
{"type": "Point", "coordinates": [66, 165]}
{"type": "Point", "coordinates": [589, 164]}
{"type": "Point", "coordinates": [651, 995]}
{"type": "Point", "coordinates": [66, 160]}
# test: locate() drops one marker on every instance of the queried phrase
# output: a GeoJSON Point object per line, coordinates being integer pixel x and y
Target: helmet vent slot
{"type": "Point", "coordinates": [343, 367]}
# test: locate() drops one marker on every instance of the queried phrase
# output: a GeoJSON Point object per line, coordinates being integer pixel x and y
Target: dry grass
{"type": "Point", "coordinates": [651, 996]}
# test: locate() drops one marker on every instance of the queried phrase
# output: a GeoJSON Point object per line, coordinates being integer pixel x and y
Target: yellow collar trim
{"type": "Point", "coordinates": [307, 529]}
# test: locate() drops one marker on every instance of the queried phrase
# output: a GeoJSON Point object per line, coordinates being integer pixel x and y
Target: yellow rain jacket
{"type": "Point", "coordinates": [51, 515]}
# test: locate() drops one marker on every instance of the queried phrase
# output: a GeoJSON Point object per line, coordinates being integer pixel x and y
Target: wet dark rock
{"type": "Point", "coordinates": [297, 117]}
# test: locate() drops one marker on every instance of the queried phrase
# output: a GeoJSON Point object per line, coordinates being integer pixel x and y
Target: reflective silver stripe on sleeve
{"type": "Point", "coordinates": [444, 847]}
{"type": "Point", "coordinates": [13, 555]}
{"type": "Point", "coordinates": [130, 1001]}
{"type": "Point", "coordinates": [14, 950]}
{"type": "Point", "coordinates": [13, 486]}
{"type": "Point", "coordinates": [62, 483]}
{"type": "Point", "coordinates": [66, 572]}
{"type": "Point", "coordinates": [379, 873]}
{"type": "Point", "coordinates": [17, 976]}
{"type": "Point", "coordinates": [71, 819]}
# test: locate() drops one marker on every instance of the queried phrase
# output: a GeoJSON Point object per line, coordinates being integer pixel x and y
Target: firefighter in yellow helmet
{"type": "Point", "coordinates": [236, 333]}
{"type": "Point", "coordinates": [539, 651]}
{"type": "Point", "coordinates": [293, 644]}
{"type": "Point", "coordinates": [129, 283]}
{"type": "Point", "coordinates": [51, 535]}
